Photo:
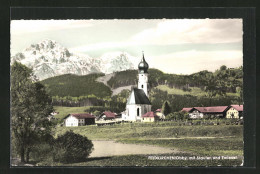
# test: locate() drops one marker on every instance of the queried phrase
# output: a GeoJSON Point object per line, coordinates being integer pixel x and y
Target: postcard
{"type": "Point", "coordinates": [127, 92]}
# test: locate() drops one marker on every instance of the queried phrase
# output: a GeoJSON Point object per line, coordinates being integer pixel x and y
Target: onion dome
{"type": "Point", "coordinates": [143, 66]}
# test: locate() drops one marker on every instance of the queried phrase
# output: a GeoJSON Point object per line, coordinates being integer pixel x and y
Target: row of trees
{"type": "Point", "coordinates": [217, 83]}
{"type": "Point", "coordinates": [177, 102]}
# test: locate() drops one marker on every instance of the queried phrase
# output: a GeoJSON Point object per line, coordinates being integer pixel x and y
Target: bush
{"type": "Point", "coordinates": [71, 147]}
{"type": "Point", "coordinates": [42, 152]}
{"type": "Point", "coordinates": [170, 116]}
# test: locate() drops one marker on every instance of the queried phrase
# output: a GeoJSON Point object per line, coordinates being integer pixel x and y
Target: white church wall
{"type": "Point", "coordinates": [143, 83]}
{"type": "Point", "coordinates": [131, 112]}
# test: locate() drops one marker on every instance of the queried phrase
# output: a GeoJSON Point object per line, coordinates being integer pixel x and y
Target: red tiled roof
{"type": "Point", "coordinates": [238, 107]}
{"type": "Point", "coordinates": [186, 109]}
{"type": "Point", "coordinates": [211, 109]}
{"type": "Point", "coordinates": [83, 115]}
{"type": "Point", "coordinates": [109, 114]}
{"type": "Point", "coordinates": [150, 114]}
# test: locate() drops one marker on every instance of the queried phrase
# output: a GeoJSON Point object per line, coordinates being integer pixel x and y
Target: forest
{"type": "Point", "coordinates": [219, 88]}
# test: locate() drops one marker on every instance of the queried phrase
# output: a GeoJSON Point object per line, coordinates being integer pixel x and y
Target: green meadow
{"type": "Point", "coordinates": [195, 140]}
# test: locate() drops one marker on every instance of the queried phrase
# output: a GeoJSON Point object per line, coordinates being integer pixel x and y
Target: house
{"type": "Point", "coordinates": [79, 119]}
{"type": "Point", "coordinates": [186, 109]}
{"type": "Point", "coordinates": [159, 113]}
{"type": "Point", "coordinates": [138, 102]}
{"type": "Point", "coordinates": [150, 117]}
{"type": "Point", "coordinates": [200, 112]}
{"type": "Point", "coordinates": [107, 115]}
{"type": "Point", "coordinates": [194, 114]}
{"type": "Point", "coordinates": [235, 111]}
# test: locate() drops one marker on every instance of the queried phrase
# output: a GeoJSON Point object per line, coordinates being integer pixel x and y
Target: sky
{"type": "Point", "coordinates": [179, 46]}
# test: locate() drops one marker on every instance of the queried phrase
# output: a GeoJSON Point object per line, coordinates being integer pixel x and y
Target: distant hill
{"type": "Point", "coordinates": [101, 85]}
{"type": "Point", "coordinates": [230, 79]}
{"type": "Point", "coordinates": [76, 86]}
{"type": "Point", "coordinates": [112, 90]}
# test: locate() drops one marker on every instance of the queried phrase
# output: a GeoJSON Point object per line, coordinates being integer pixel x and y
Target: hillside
{"type": "Point", "coordinates": [76, 86]}
{"type": "Point", "coordinates": [101, 85]}
{"type": "Point", "coordinates": [222, 87]}
{"type": "Point", "coordinates": [225, 79]}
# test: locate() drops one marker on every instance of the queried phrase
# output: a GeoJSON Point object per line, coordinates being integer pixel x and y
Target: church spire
{"type": "Point", "coordinates": [143, 65]}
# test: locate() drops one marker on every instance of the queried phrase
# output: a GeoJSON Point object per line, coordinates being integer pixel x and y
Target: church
{"type": "Point", "coordinates": [138, 102]}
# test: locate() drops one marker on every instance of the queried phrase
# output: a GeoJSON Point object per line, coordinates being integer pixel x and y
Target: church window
{"type": "Point", "coordinates": [138, 111]}
{"type": "Point", "coordinates": [142, 86]}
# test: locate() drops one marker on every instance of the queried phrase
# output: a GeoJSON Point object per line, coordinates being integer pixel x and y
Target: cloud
{"type": "Point", "coordinates": [101, 45]}
{"type": "Point", "coordinates": [180, 31]}
{"type": "Point", "coordinates": [28, 26]}
{"type": "Point", "coordinates": [193, 61]}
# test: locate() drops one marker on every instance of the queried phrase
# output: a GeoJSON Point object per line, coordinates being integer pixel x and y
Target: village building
{"type": "Point", "coordinates": [138, 102]}
{"type": "Point", "coordinates": [150, 117]}
{"type": "Point", "coordinates": [81, 119]}
{"type": "Point", "coordinates": [186, 109]}
{"type": "Point", "coordinates": [213, 111]}
{"type": "Point", "coordinates": [235, 111]}
{"type": "Point", "coordinates": [159, 113]}
{"type": "Point", "coordinates": [107, 115]}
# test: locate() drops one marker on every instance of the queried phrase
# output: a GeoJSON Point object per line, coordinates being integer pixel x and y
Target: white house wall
{"type": "Point", "coordinates": [232, 113]}
{"type": "Point", "coordinates": [196, 114]}
{"type": "Point", "coordinates": [71, 121]}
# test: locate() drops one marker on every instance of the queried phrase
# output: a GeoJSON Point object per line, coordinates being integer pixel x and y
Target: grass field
{"type": "Point", "coordinates": [152, 130]}
{"type": "Point", "coordinates": [64, 111]}
{"type": "Point", "coordinates": [143, 160]}
{"type": "Point", "coordinates": [230, 146]}
{"type": "Point", "coordinates": [197, 140]}
{"type": "Point", "coordinates": [195, 91]}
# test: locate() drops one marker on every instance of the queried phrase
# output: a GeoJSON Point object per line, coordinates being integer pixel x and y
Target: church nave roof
{"type": "Point", "coordinates": [138, 96]}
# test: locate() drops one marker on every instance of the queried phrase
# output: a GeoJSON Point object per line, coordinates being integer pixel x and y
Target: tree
{"type": "Point", "coordinates": [223, 67]}
{"type": "Point", "coordinates": [166, 108]}
{"type": "Point", "coordinates": [30, 107]}
{"type": "Point", "coordinates": [170, 116]}
{"type": "Point", "coordinates": [71, 147]}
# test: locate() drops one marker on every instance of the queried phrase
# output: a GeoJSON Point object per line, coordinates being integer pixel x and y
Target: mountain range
{"type": "Point", "coordinates": [48, 58]}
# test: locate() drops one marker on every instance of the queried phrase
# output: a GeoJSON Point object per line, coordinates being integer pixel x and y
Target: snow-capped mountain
{"type": "Point", "coordinates": [48, 58]}
{"type": "Point", "coordinates": [117, 61]}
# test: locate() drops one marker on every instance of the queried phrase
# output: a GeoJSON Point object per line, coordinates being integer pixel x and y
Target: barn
{"type": "Point", "coordinates": [215, 111]}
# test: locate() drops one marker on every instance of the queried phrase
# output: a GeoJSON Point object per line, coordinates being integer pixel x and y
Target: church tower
{"type": "Point", "coordinates": [138, 102]}
{"type": "Point", "coordinates": [143, 75]}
